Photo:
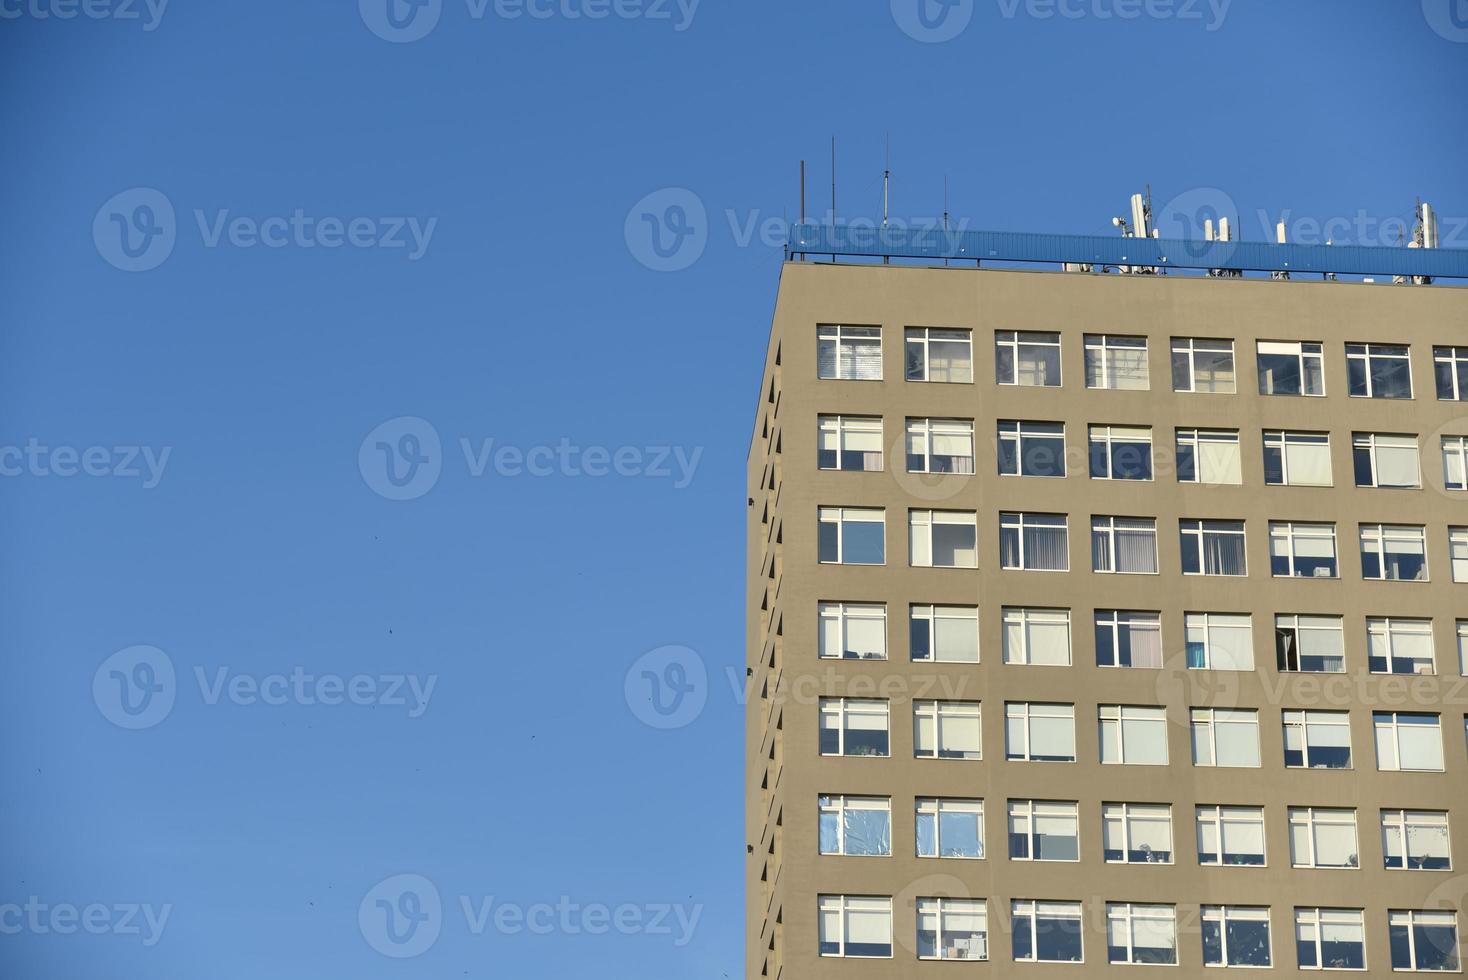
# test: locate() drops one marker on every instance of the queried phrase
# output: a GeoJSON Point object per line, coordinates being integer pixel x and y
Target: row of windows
{"type": "Point", "coordinates": [1043, 931]}
{"type": "Point", "coordinates": [1134, 735]}
{"type": "Point", "coordinates": [1119, 362]}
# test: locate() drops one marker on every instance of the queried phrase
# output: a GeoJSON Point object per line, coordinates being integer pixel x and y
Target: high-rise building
{"type": "Point", "coordinates": [1101, 619]}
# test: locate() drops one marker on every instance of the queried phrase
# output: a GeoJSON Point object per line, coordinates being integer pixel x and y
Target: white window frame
{"type": "Point", "coordinates": [842, 709]}
{"type": "Point", "coordinates": [1301, 625]}
{"type": "Point", "coordinates": [1375, 539]}
{"type": "Point", "coordinates": [1018, 621]}
{"type": "Point", "coordinates": [1307, 354]}
{"type": "Point", "coordinates": [843, 906]}
{"type": "Point", "coordinates": [1411, 918]}
{"type": "Point", "coordinates": [841, 516]}
{"type": "Point", "coordinates": [1291, 447]}
{"type": "Point", "coordinates": [938, 910]}
{"type": "Point", "coordinates": [1285, 539]}
{"type": "Point", "coordinates": [1455, 462]}
{"type": "Point", "coordinates": [1020, 524]}
{"type": "Point", "coordinates": [1303, 722]}
{"type": "Point", "coordinates": [1113, 436]}
{"type": "Point", "coordinates": [843, 336]}
{"type": "Point", "coordinates": [1106, 532]}
{"type": "Point", "coordinates": [839, 804]}
{"type": "Point", "coordinates": [1208, 470]}
{"type": "Point", "coordinates": [1023, 818]}
{"type": "Point", "coordinates": [1373, 444]}
{"type": "Point", "coordinates": [1365, 355]}
{"type": "Point", "coordinates": [1127, 916]}
{"type": "Point", "coordinates": [1218, 818]}
{"type": "Point", "coordinates": [1211, 626]}
{"type": "Point", "coordinates": [1114, 621]}
{"type": "Point", "coordinates": [841, 615]}
{"type": "Point", "coordinates": [1026, 914]}
{"type": "Point", "coordinates": [1310, 821]}
{"type": "Point", "coordinates": [1316, 920]}
{"type": "Point", "coordinates": [1204, 725]}
{"type": "Point", "coordinates": [942, 715]}
{"type": "Point", "coordinates": [1123, 719]}
{"type": "Point", "coordinates": [923, 338]}
{"type": "Point", "coordinates": [924, 432]}
{"type": "Point", "coordinates": [1016, 432]}
{"type": "Point", "coordinates": [932, 615]}
{"type": "Point", "coordinates": [1019, 719]}
{"type": "Point", "coordinates": [846, 428]}
{"type": "Point", "coordinates": [1103, 351]}
{"type": "Point", "coordinates": [1391, 629]}
{"type": "Point", "coordinates": [1118, 818]}
{"type": "Point", "coordinates": [1387, 727]}
{"type": "Point", "coordinates": [1399, 825]}
{"type": "Point", "coordinates": [1456, 359]}
{"type": "Point", "coordinates": [1194, 534]}
{"type": "Point", "coordinates": [1463, 647]}
{"type": "Point", "coordinates": [933, 809]}
{"type": "Point", "coordinates": [1014, 341]}
{"type": "Point", "coordinates": [920, 524]}
{"type": "Point", "coordinates": [1223, 915]}
{"type": "Point", "coordinates": [1189, 347]}
{"type": "Point", "coordinates": [1458, 553]}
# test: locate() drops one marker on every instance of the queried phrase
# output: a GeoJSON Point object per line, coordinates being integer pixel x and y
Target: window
{"type": "Point", "coordinates": [850, 443]}
{"type": "Point", "coordinates": [944, 634]}
{"type": "Point", "coordinates": [1121, 452]}
{"type": "Point", "coordinates": [1203, 365]}
{"type": "Point", "coordinates": [940, 446]}
{"type": "Point", "coordinates": [1393, 553]}
{"type": "Point", "coordinates": [1137, 833]}
{"type": "Point", "coordinates": [1031, 449]}
{"type": "Point", "coordinates": [1037, 636]}
{"type": "Point", "coordinates": [952, 929]}
{"type": "Point", "coordinates": [1450, 367]}
{"type": "Point", "coordinates": [1034, 542]}
{"type": "Point", "coordinates": [950, 828]}
{"type": "Point", "coordinates": [1386, 461]}
{"type": "Point", "coordinates": [1124, 545]}
{"type": "Point", "coordinates": [1458, 551]}
{"type": "Point", "coordinates": [1141, 934]}
{"type": "Point", "coordinates": [1455, 462]}
{"type": "Point", "coordinates": [854, 926]}
{"type": "Point", "coordinates": [944, 539]}
{"type": "Point", "coordinates": [849, 353]}
{"type": "Point", "coordinates": [1407, 742]}
{"type": "Point", "coordinates": [852, 536]}
{"type": "Point", "coordinates": [1379, 370]}
{"type": "Point", "coordinates": [1424, 942]}
{"type": "Point", "coordinates": [856, 825]}
{"type": "Point", "coordinates": [1040, 732]}
{"type": "Point", "coordinates": [1131, 735]}
{"type": "Point", "coordinates": [1400, 646]}
{"type": "Point", "coordinates": [1323, 838]}
{"type": "Point", "coordinates": [1236, 935]}
{"type": "Point", "coordinates": [1040, 831]}
{"type": "Point", "coordinates": [1310, 644]}
{"type": "Point", "coordinates": [939, 355]}
{"type": "Point", "coordinates": [1213, 547]}
{"type": "Point", "coordinates": [1025, 358]}
{"type": "Point", "coordinates": [850, 726]}
{"type": "Point", "coordinates": [1231, 835]}
{"type": "Point", "coordinates": [1463, 647]}
{"type": "Point", "coordinates": [1046, 932]}
{"type": "Point", "coordinates": [1317, 739]}
{"type": "Point", "coordinates": [1225, 738]}
{"type": "Point", "coordinates": [1220, 641]}
{"type": "Point", "coordinates": [946, 730]}
{"type": "Point", "coordinates": [1290, 368]}
{"type": "Point", "coordinates": [1128, 639]}
{"type": "Point", "coordinates": [1416, 840]}
{"type": "Point", "coordinates": [1330, 939]}
{"type": "Point", "coordinates": [1302, 550]}
{"type": "Point", "coordinates": [1209, 456]}
{"type": "Point", "coordinates": [1297, 459]}
{"type": "Point", "coordinates": [1116, 362]}
{"type": "Point", "coordinates": [853, 631]}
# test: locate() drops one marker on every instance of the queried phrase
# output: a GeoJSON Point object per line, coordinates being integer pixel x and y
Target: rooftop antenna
{"type": "Point", "coordinates": [887, 184]}
{"type": "Point", "coordinates": [1424, 235]}
{"type": "Point", "coordinates": [802, 192]}
{"type": "Point", "coordinates": [1279, 234]}
{"type": "Point", "coordinates": [945, 211]}
{"type": "Point", "coordinates": [833, 181]}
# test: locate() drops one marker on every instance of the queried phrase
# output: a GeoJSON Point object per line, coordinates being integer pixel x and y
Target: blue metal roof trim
{"type": "Point", "coordinates": [1166, 253]}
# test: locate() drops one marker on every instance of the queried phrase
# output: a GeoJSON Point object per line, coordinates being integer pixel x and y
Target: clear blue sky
{"type": "Point", "coordinates": [527, 319]}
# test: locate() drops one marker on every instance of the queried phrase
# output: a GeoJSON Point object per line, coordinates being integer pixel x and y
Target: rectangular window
{"type": "Point", "coordinates": [1416, 840]}
{"type": "Point", "coordinates": [1209, 456]}
{"type": "Point", "coordinates": [1323, 838]}
{"type": "Point", "coordinates": [1330, 939]}
{"type": "Point", "coordinates": [1121, 452]}
{"type": "Point", "coordinates": [952, 929]}
{"type": "Point", "coordinates": [1213, 547]}
{"type": "Point", "coordinates": [1043, 831]}
{"type": "Point", "coordinates": [1034, 542]}
{"type": "Point", "coordinates": [1400, 646]}
{"type": "Point", "coordinates": [1394, 553]}
{"type": "Point", "coordinates": [1386, 461]}
{"type": "Point", "coordinates": [849, 353]}
{"type": "Point", "coordinates": [1225, 738]}
{"type": "Point", "coordinates": [940, 355]}
{"type": "Point", "coordinates": [944, 634]}
{"type": "Point", "coordinates": [1137, 833]}
{"type": "Point", "coordinates": [1039, 732]}
{"type": "Point", "coordinates": [1124, 545]}
{"type": "Point", "coordinates": [1046, 932]}
{"type": "Point", "coordinates": [1031, 448]}
{"type": "Point", "coordinates": [850, 442]}
{"type": "Point", "coordinates": [1236, 935]}
{"type": "Point", "coordinates": [1027, 358]}
{"type": "Point", "coordinates": [1203, 365]}
{"type": "Point", "coordinates": [946, 730]}
{"type": "Point", "coordinates": [1290, 368]}
{"type": "Point", "coordinates": [940, 446]}
{"type": "Point", "coordinates": [1408, 742]}
{"type": "Point", "coordinates": [855, 926]}
{"type": "Point", "coordinates": [1231, 836]}
{"type": "Point", "coordinates": [1220, 641]}
{"type": "Point", "coordinates": [1128, 639]}
{"type": "Point", "coordinates": [944, 538]}
{"type": "Point", "coordinates": [1455, 462]}
{"type": "Point", "coordinates": [1133, 735]}
{"type": "Point", "coordinates": [1463, 647]}
{"type": "Point", "coordinates": [1450, 368]}
{"type": "Point", "coordinates": [950, 828]}
{"type": "Point", "coordinates": [1119, 363]}
{"type": "Point", "coordinates": [1297, 459]}
{"type": "Point", "coordinates": [853, 631]}
{"type": "Point", "coordinates": [1144, 935]}
{"type": "Point", "coordinates": [1302, 550]}
{"type": "Point", "coordinates": [850, 726]}
{"type": "Point", "coordinates": [1038, 637]}
{"type": "Point", "coordinates": [858, 826]}
{"type": "Point", "coordinates": [852, 536]}
{"type": "Point", "coordinates": [1310, 644]}
{"type": "Point", "coordinates": [1424, 942]}
{"type": "Point", "coordinates": [1379, 370]}
{"type": "Point", "coordinates": [1317, 739]}
{"type": "Point", "coordinates": [1458, 552]}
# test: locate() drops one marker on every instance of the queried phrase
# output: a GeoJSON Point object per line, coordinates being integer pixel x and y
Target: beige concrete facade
{"type": "Point", "coordinates": [785, 773]}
